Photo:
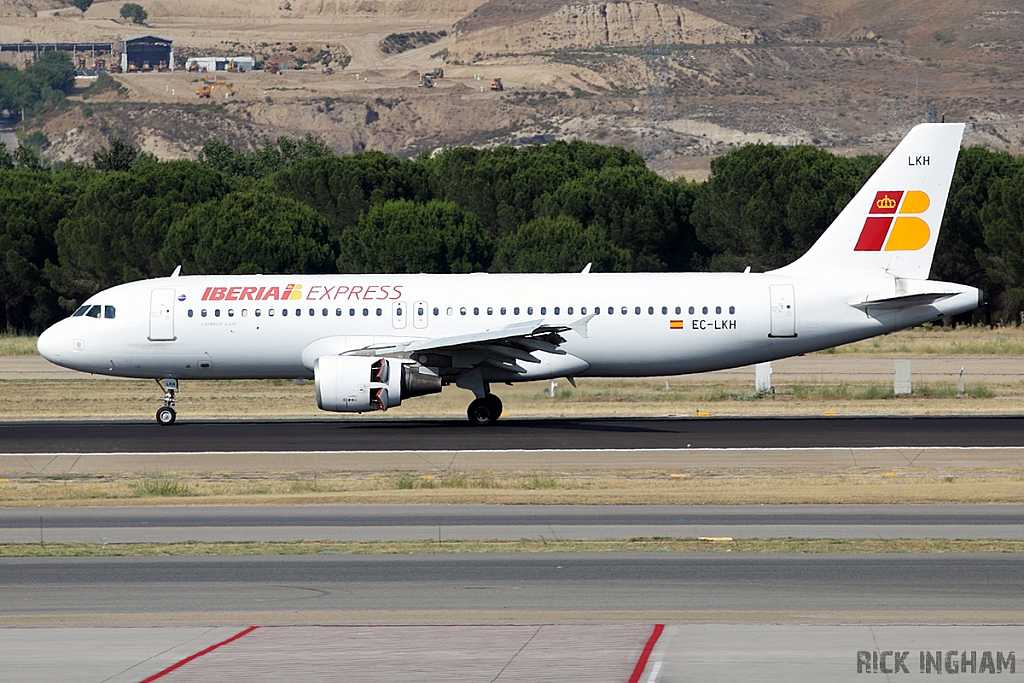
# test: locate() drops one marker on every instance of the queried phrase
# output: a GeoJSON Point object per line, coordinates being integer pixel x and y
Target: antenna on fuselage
{"type": "Point", "coordinates": [586, 269]}
{"type": "Point", "coordinates": [177, 272]}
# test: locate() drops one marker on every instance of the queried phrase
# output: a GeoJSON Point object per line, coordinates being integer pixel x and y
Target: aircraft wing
{"type": "Point", "coordinates": [502, 347]}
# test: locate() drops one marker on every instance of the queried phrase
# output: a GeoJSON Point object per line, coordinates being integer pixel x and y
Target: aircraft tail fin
{"type": "Point", "coordinates": [892, 224]}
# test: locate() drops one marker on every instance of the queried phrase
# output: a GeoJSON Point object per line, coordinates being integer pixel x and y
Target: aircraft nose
{"type": "Point", "coordinates": [49, 345]}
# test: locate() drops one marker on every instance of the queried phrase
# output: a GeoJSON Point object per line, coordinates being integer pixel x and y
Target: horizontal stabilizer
{"type": "Point", "coordinates": [896, 303]}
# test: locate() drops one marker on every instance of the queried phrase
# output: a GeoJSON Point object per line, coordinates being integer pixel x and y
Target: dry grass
{"type": "Point", "coordinates": [747, 486]}
{"type": "Point", "coordinates": [942, 341]}
{"type": "Point", "coordinates": [17, 345]}
{"type": "Point", "coordinates": [750, 545]}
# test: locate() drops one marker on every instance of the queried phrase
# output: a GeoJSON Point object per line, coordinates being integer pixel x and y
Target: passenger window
{"type": "Point", "coordinates": [611, 310]}
{"type": "Point", "coordinates": [93, 312]}
{"type": "Point", "coordinates": [436, 311]}
{"type": "Point", "coordinates": [109, 312]}
{"type": "Point", "coordinates": [257, 312]}
{"type": "Point", "coordinates": [476, 311]}
{"type": "Point", "coordinates": [583, 311]}
{"type": "Point", "coordinates": [718, 310]}
{"type": "Point", "coordinates": [203, 313]}
{"type": "Point", "coordinates": [529, 310]}
{"type": "Point", "coordinates": [678, 310]}
{"type": "Point", "coordinates": [462, 310]}
{"type": "Point", "coordinates": [419, 311]}
{"type": "Point", "coordinates": [337, 312]}
{"type": "Point", "coordinates": [490, 311]}
{"type": "Point", "coordinates": [245, 312]}
{"type": "Point", "coordinates": [543, 310]}
{"type": "Point", "coordinates": [664, 310]}
{"type": "Point", "coordinates": [650, 310]}
{"type": "Point", "coordinates": [190, 312]}
{"type": "Point", "coordinates": [231, 313]}
{"type": "Point", "coordinates": [503, 310]}
{"type": "Point", "coordinates": [352, 311]}
{"type": "Point", "coordinates": [284, 311]}
{"type": "Point", "coordinates": [397, 310]}
{"type": "Point", "coordinates": [732, 310]}
{"type": "Point", "coordinates": [515, 310]}
{"type": "Point", "coordinates": [216, 313]}
{"type": "Point", "coordinates": [597, 310]}
{"type": "Point", "coordinates": [270, 312]}
{"type": "Point", "coordinates": [691, 310]}
{"type": "Point", "coordinates": [450, 310]}
{"type": "Point", "coordinates": [556, 310]}
{"type": "Point", "coordinates": [704, 310]}
{"type": "Point", "coordinates": [569, 310]}
{"type": "Point", "coordinates": [298, 312]}
{"type": "Point", "coordinates": [80, 312]}
{"type": "Point", "coordinates": [379, 312]}
{"type": "Point", "coordinates": [366, 312]}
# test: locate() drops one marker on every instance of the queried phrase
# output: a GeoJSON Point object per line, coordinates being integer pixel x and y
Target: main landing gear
{"type": "Point", "coordinates": [165, 416]}
{"type": "Point", "coordinates": [485, 411]}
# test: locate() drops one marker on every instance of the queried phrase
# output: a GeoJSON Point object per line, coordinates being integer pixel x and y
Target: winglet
{"type": "Point", "coordinates": [586, 268]}
{"type": "Point", "coordinates": [177, 272]}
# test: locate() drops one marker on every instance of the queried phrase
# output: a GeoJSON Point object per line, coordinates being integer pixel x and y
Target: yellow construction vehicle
{"type": "Point", "coordinates": [496, 85]}
{"type": "Point", "coordinates": [426, 80]}
{"type": "Point", "coordinates": [207, 89]}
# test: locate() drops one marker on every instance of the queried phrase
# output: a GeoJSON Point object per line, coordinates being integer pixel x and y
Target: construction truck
{"type": "Point", "coordinates": [207, 89]}
{"type": "Point", "coordinates": [496, 85]}
{"type": "Point", "coordinates": [438, 72]}
{"type": "Point", "coordinates": [426, 80]}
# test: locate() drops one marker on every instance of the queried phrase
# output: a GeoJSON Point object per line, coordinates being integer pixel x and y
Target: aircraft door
{"type": "Point", "coordinates": [161, 315]}
{"type": "Point", "coordinates": [783, 323]}
{"type": "Point", "coordinates": [399, 314]}
{"type": "Point", "coordinates": [420, 315]}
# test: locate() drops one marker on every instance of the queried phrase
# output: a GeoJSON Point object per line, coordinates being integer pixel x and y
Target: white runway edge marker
{"type": "Point", "coordinates": [800, 449]}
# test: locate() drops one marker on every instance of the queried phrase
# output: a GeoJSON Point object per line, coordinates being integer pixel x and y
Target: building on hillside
{"type": "Point", "coordinates": [220, 64]}
{"type": "Point", "coordinates": [85, 56]}
{"type": "Point", "coordinates": [147, 53]}
{"type": "Point", "coordinates": [279, 63]}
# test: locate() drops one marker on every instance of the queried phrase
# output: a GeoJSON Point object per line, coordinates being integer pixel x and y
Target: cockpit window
{"type": "Point", "coordinates": [93, 312]}
{"type": "Point", "coordinates": [81, 311]}
{"type": "Point", "coordinates": [109, 312]}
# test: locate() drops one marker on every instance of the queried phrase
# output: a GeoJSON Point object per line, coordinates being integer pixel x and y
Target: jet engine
{"type": "Point", "coordinates": [357, 384]}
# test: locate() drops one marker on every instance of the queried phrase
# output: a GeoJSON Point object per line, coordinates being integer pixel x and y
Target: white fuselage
{"type": "Point", "coordinates": [235, 327]}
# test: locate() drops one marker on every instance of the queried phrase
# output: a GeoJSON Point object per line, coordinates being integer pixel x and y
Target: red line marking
{"type": "Point", "coordinates": [197, 655]}
{"type": "Point", "coordinates": [641, 663]}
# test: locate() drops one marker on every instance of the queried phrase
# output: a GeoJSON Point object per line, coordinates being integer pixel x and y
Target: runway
{"type": "Point", "coordinates": [488, 522]}
{"type": "Point", "coordinates": [399, 435]}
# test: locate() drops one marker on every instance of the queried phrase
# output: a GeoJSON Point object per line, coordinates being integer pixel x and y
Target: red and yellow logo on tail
{"type": "Point", "coordinates": [905, 230]}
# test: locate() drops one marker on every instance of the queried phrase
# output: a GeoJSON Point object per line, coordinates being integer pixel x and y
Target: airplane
{"type": "Point", "coordinates": [369, 342]}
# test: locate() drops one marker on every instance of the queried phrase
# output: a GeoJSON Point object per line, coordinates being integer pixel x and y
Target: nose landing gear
{"type": "Point", "coordinates": [485, 411]}
{"type": "Point", "coordinates": [165, 416]}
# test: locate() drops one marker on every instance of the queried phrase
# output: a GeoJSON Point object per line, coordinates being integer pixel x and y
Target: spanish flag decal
{"type": "Point", "coordinates": [675, 324]}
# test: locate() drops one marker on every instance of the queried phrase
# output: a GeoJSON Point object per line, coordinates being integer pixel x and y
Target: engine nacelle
{"type": "Point", "coordinates": [357, 384]}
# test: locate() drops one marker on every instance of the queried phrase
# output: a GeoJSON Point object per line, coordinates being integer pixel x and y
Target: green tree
{"type": "Point", "coordinates": [117, 227]}
{"type": "Point", "coordinates": [134, 12]}
{"type": "Point", "coordinates": [83, 5]}
{"type": "Point", "coordinates": [249, 232]}
{"type": "Point", "coordinates": [6, 158]}
{"type": "Point", "coordinates": [558, 245]}
{"type": "Point", "coordinates": [405, 237]}
{"type": "Point", "coordinates": [273, 156]}
{"type": "Point", "coordinates": [1002, 218]}
{"type": "Point", "coordinates": [121, 156]}
{"type": "Point", "coordinates": [764, 206]}
{"type": "Point", "coordinates": [638, 210]}
{"type": "Point", "coordinates": [342, 188]}
{"type": "Point", "coordinates": [31, 205]}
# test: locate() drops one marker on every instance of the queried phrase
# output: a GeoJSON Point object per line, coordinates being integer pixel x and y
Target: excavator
{"type": "Point", "coordinates": [207, 89]}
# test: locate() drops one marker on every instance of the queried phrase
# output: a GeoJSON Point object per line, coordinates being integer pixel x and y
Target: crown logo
{"type": "Point", "coordinates": [886, 202]}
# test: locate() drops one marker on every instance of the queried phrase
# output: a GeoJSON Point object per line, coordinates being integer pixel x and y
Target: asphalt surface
{"type": "Point", "coordinates": [940, 584]}
{"type": "Point", "coordinates": [576, 434]}
{"type": "Point", "coordinates": [428, 522]}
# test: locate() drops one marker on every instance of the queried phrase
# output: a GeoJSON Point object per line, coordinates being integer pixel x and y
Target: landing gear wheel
{"type": "Point", "coordinates": [165, 416]}
{"type": "Point", "coordinates": [485, 411]}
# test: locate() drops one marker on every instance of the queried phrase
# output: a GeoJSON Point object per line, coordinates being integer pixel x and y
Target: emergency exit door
{"type": "Point", "coordinates": [783, 322]}
{"type": "Point", "coordinates": [161, 315]}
